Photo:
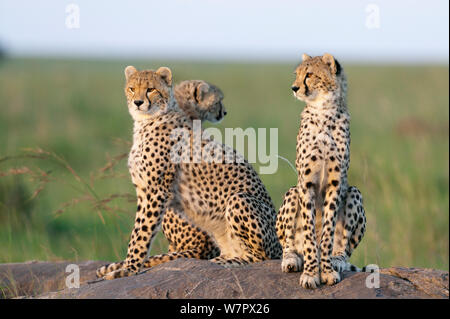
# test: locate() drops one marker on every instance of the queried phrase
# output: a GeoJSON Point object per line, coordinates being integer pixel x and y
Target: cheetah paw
{"type": "Point", "coordinates": [292, 263]}
{"type": "Point", "coordinates": [119, 273]}
{"type": "Point", "coordinates": [102, 271]}
{"type": "Point", "coordinates": [309, 282]}
{"type": "Point", "coordinates": [330, 278]}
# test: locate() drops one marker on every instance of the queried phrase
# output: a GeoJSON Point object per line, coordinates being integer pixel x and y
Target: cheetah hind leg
{"type": "Point", "coordinates": [350, 229]}
{"type": "Point", "coordinates": [185, 236]}
{"type": "Point", "coordinates": [251, 232]}
{"type": "Point", "coordinates": [288, 232]}
{"type": "Point", "coordinates": [186, 240]}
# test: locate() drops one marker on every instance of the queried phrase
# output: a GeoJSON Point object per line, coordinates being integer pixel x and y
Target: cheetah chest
{"type": "Point", "coordinates": [136, 165]}
{"type": "Point", "coordinates": [323, 149]}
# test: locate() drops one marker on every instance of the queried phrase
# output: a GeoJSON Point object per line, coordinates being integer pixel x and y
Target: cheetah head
{"type": "Point", "coordinates": [200, 100]}
{"type": "Point", "coordinates": [318, 78]}
{"type": "Point", "coordinates": [148, 92]}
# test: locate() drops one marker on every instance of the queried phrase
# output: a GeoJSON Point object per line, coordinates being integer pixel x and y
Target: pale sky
{"type": "Point", "coordinates": [409, 31]}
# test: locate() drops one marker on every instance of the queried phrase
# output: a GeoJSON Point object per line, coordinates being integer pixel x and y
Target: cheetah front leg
{"type": "Point", "coordinates": [124, 268]}
{"type": "Point", "coordinates": [288, 230]}
{"type": "Point", "coordinates": [310, 276]}
{"type": "Point", "coordinates": [350, 229]}
{"type": "Point", "coordinates": [151, 205]}
{"type": "Point", "coordinates": [330, 209]}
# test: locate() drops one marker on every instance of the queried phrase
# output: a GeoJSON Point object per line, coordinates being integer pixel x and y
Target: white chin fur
{"type": "Point", "coordinates": [310, 99]}
{"type": "Point", "coordinates": [299, 97]}
{"type": "Point", "coordinates": [142, 115]}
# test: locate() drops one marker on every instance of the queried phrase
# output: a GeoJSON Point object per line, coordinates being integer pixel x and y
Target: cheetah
{"type": "Point", "coordinates": [229, 216]}
{"type": "Point", "coordinates": [200, 100]}
{"type": "Point", "coordinates": [322, 219]}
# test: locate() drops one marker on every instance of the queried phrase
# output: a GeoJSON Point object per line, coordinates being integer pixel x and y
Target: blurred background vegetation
{"type": "Point", "coordinates": [65, 130]}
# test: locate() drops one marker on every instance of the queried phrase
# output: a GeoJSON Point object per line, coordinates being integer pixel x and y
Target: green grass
{"type": "Point", "coordinates": [76, 109]}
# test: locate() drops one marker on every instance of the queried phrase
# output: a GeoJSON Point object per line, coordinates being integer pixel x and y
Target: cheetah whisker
{"type": "Point", "coordinates": [290, 164]}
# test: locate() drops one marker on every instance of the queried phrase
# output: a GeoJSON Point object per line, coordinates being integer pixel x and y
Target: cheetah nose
{"type": "Point", "coordinates": [295, 88]}
{"type": "Point", "coordinates": [138, 102]}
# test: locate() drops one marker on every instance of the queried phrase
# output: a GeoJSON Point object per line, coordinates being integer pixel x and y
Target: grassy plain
{"type": "Point", "coordinates": [75, 109]}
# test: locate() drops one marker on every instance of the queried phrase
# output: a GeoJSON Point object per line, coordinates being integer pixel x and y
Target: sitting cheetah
{"type": "Point", "coordinates": [227, 208]}
{"type": "Point", "coordinates": [202, 101]}
{"type": "Point", "coordinates": [322, 202]}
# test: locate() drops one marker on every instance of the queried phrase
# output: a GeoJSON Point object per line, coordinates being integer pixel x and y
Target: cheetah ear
{"type": "Point", "coordinates": [166, 74]}
{"type": "Point", "coordinates": [200, 91]}
{"type": "Point", "coordinates": [332, 63]}
{"type": "Point", "coordinates": [305, 57]}
{"type": "Point", "coordinates": [129, 70]}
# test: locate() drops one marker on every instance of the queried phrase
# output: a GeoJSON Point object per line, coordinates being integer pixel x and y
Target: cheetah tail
{"type": "Point", "coordinates": [351, 267]}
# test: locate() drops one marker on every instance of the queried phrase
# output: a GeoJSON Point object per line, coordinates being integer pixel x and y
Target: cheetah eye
{"type": "Point", "coordinates": [149, 90]}
{"type": "Point", "coordinates": [131, 89]}
{"type": "Point", "coordinates": [308, 75]}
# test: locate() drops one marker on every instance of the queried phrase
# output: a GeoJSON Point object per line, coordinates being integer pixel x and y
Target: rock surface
{"type": "Point", "coordinates": [37, 277]}
{"type": "Point", "coordinates": [190, 278]}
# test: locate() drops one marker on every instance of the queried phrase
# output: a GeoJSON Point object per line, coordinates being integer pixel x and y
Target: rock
{"type": "Point", "coordinates": [432, 282]}
{"type": "Point", "coordinates": [37, 277]}
{"type": "Point", "coordinates": [191, 278]}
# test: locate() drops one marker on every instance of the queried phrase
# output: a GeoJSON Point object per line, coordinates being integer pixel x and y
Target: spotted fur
{"type": "Point", "coordinates": [226, 212]}
{"type": "Point", "coordinates": [322, 219]}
